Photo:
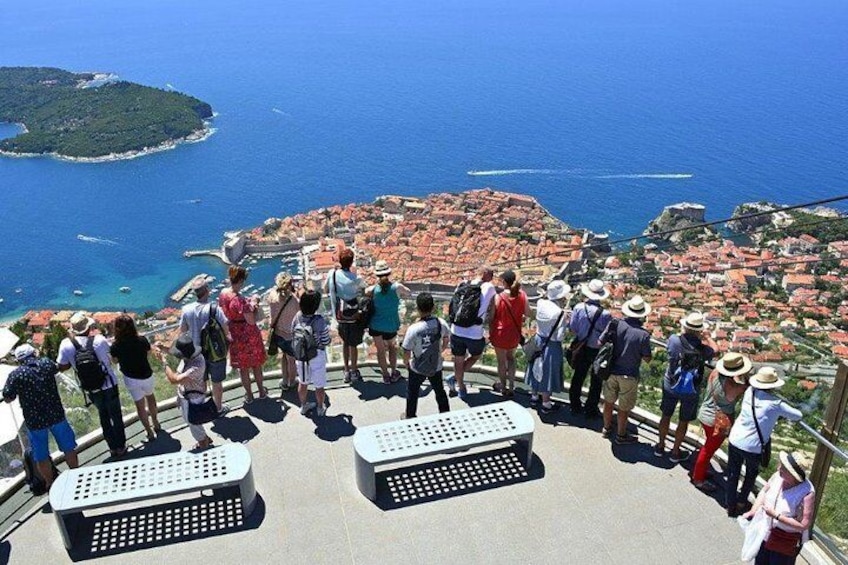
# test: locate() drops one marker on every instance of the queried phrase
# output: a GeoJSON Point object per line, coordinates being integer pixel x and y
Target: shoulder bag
{"type": "Point", "coordinates": [722, 423]}
{"type": "Point", "coordinates": [576, 347]}
{"type": "Point", "coordinates": [202, 413]}
{"type": "Point", "coordinates": [783, 542]}
{"type": "Point", "coordinates": [765, 453]}
{"type": "Point", "coordinates": [273, 348]}
{"type": "Point", "coordinates": [536, 351]}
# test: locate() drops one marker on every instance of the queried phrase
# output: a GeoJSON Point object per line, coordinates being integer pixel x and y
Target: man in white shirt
{"type": "Point", "coordinates": [106, 399]}
{"type": "Point", "coordinates": [467, 341]}
{"type": "Point", "coordinates": [751, 431]}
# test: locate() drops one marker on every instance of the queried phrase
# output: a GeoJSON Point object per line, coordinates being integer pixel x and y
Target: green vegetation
{"type": "Point", "coordinates": [810, 224]}
{"type": "Point", "coordinates": [63, 117]}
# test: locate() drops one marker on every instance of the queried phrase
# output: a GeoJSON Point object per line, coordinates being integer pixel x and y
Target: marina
{"type": "Point", "coordinates": [183, 293]}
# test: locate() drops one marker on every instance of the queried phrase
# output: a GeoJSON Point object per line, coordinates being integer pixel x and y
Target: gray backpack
{"type": "Point", "coordinates": [427, 363]}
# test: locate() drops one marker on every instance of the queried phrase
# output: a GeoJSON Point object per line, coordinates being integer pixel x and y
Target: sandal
{"type": "Point", "coordinates": [498, 387]}
{"type": "Point", "coordinates": [248, 398]}
{"type": "Point", "coordinates": [705, 486]}
{"type": "Point", "coordinates": [509, 393]}
{"type": "Point", "coordinates": [263, 393]}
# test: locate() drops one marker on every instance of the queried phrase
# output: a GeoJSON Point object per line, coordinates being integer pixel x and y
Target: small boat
{"type": "Point", "coordinates": [125, 289]}
{"type": "Point", "coordinates": [18, 290]}
{"type": "Point", "coordinates": [78, 292]}
{"type": "Point", "coordinates": [195, 201]}
{"type": "Point", "coordinates": [2, 301]}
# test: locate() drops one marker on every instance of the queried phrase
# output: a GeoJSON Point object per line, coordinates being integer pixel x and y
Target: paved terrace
{"type": "Point", "coordinates": [585, 500]}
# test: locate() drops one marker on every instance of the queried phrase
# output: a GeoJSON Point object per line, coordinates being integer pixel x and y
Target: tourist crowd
{"type": "Point", "coordinates": [730, 401]}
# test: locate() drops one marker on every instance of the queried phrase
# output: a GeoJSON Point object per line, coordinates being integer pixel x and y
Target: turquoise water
{"type": "Point", "coordinates": [322, 103]}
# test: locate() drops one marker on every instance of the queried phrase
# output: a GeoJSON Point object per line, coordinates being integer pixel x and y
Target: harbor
{"type": "Point", "coordinates": [182, 293]}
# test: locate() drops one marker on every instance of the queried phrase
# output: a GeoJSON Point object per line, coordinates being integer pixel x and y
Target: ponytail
{"type": "Point", "coordinates": [515, 289]}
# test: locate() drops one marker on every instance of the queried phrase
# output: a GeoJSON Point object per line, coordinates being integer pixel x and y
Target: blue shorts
{"type": "Point", "coordinates": [62, 432]}
{"type": "Point", "coordinates": [688, 405]}
{"type": "Point", "coordinates": [284, 344]}
{"type": "Point", "coordinates": [217, 371]}
{"type": "Point", "coordinates": [460, 345]}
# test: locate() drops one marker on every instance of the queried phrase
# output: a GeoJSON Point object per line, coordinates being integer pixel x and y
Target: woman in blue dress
{"type": "Point", "coordinates": [545, 376]}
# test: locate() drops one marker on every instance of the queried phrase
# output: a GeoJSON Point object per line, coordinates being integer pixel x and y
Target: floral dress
{"type": "Point", "coordinates": [247, 349]}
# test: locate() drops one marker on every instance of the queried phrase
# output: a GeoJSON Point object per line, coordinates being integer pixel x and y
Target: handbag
{"type": "Point", "coordinates": [202, 413]}
{"type": "Point", "coordinates": [576, 346]}
{"type": "Point", "coordinates": [722, 423]}
{"type": "Point", "coordinates": [783, 542]}
{"type": "Point", "coordinates": [539, 350]}
{"type": "Point", "coordinates": [765, 453]}
{"type": "Point", "coordinates": [273, 348]}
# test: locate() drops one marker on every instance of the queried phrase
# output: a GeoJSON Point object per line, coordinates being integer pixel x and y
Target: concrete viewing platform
{"type": "Point", "coordinates": [584, 500]}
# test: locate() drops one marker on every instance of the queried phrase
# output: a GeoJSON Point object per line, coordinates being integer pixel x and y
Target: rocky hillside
{"type": "Point", "coordinates": [679, 216]}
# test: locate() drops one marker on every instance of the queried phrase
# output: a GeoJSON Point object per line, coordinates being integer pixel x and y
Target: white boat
{"type": "Point", "coordinates": [2, 301]}
{"type": "Point", "coordinates": [18, 290]}
{"type": "Point", "coordinates": [125, 289]}
{"type": "Point", "coordinates": [78, 292]}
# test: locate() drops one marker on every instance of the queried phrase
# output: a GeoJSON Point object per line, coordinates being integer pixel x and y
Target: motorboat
{"type": "Point", "coordinates": [125, 289]}
{"type": "Point", "coordinates": [78, 292]}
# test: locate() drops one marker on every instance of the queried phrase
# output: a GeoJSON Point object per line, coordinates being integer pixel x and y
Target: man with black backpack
{"type": "Point", "coordinates": [687, 354]}
{"type": "Point", "coordinates": [422, 354]}
{"type": "Point", "coordinates": [210, 332]}
{"type": "Point", "coordinates": [34, 383]}
{"type": "Point", "coordinates": [470, 307]}
{"type": "Point", "coordinates": [88, 354]}
{"type": "Point", "coordinates": [346, 290]}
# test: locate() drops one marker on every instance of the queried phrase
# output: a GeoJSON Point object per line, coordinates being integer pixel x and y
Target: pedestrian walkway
{"type": "Point", "coordinates": [584, 500]}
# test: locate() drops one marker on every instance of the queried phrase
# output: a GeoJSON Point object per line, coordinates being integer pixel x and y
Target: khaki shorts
{"type": "Point", "coordinates": [623, 390]}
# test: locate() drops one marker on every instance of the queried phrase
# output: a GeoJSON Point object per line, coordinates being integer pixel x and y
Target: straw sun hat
{"type": "Point", "coordinates": [558, 290]}
{"type": "Point", "coordinates": [787, 461]}
{"type": "Point", "coordinates": [595, 290]}
{"type": "Point", "coordinates": [80, 323]}
{"type": "Point", "coordinates": [636, 307]}
{"type": "Point", "coordinates": [381, 269]}
{"type": "Point", "coordinates": [735, 365]}
{"type": "Point", "coordinates": [766, 378]}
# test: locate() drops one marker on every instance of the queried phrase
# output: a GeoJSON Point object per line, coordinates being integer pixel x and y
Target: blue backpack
{"type": "Point", "coordinates": [687, 377]}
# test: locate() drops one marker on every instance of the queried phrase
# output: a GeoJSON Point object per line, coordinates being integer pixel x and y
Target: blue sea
{"type": "Point", "coordinates": [606, 106]}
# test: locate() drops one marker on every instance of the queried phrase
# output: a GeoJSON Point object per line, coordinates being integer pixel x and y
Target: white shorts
{"type": "Point", "coordinates": [139, 388]}
{"type": "Point", "coordinates": [317, 376]}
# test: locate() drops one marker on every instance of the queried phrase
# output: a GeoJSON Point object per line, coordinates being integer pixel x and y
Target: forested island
{"type": "Point", "coordinates": [92, 117]}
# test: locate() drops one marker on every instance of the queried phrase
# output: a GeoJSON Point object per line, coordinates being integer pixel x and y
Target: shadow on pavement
{"type": "Point", "coordinates": [239, 429]}
{"type": "Point", "coordinates": [5, 552]}
{"type": "Point", "coordinates": [268, 410]}
{"type": "Point", "coordinates": [163, 524]}
{"type": "Point", "coordinates": [374, 389]}
{"type": "Point", "coordinates": [331, 428]}
{"type": "Point", "coordinates": [439, 480]}
{"type": "Point", "coordinates": [164, 443]}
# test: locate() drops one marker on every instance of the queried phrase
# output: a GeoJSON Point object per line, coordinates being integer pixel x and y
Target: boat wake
{"type": "Point", "coordinates": [97, 240]}
{"type": "Point", "coordinates": [280, 112]}
{"type": "Point", "coordinates": [657, 176]}
{"type": "Point", "coordinates": [516, 172]}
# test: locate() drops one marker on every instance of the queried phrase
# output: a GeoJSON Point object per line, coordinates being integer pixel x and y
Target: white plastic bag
{"type": "Point", "coordinates": [538, 370]}
{"type": "Point", "coordinates": [755, 533]}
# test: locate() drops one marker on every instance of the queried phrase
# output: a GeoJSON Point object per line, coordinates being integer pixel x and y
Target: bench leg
{"type": "Point", "coordinates": [528, 439]}
{"type": "Point", "coordinates": [247, 489]}
{"type": "Point", "coordinates": [366, 481]}
{"type": "Point", "coordinates": [63, 529]}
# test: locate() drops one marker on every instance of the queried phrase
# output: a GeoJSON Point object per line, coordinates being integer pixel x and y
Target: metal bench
{"type": "Point", "coordinates": [394, 442]}
{"type": "Point", "coordinates": [145, 478]}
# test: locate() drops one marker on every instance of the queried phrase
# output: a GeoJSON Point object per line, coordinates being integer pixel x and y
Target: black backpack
{"type": "Point", "coordinates": [213, 340]}
{"type": "Point", "coordinates": [37, 485]}
{"type": "Point", "coordinates": [602, 365]}
{"type": "Point", "coordinates": [304, 345]}
{"type": "Point", "coordinates": [89, 369]}
{"type": "Point", "coordinates": [464, 308]}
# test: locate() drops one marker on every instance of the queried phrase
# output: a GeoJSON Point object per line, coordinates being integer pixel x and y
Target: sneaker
{"type": "Point", "coordinates": [681, 457]}
{"type": "Point", "coordinates": [549, 409]}
{"type": "Point", "coordinates": [356, 375]}
{"type": "Point", "coordinates": [534, 401]}
{"type": "Point", "coordinates": [321, 411]}
{"type": "Point", "coordinates": [285, 387]}
{"type": "Point", "coordinates": [307, 406]}
{"type": "Point", "coordinates": [606, 432]}
{"type": "Point", "coordinates": [387, 380]}
{"type": "Point", "coordinates": [347, 376]}
{"type": "Point", "coordinates": [626, 439]}
{"type": "Point", "coordinates": [463, 393]}
{"type": "Point", "coordinates": [223, 411]}
{"type": "Point", "coordinates": [659, 451]}
{"type": "Point", "coordinates": [450, 380]}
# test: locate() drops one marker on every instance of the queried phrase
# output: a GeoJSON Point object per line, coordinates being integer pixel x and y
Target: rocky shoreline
{"type": "Point", "coordinates": [195, 137]}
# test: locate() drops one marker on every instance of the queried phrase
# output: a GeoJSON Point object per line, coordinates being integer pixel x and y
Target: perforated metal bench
{"type": "Point", "coordinates": [146, 478]}
{"type": "Point", "coordinates": [403, 440]}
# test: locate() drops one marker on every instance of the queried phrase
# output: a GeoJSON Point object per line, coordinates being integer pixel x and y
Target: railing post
{"type": "Point", "coordinates": [830, 430]}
